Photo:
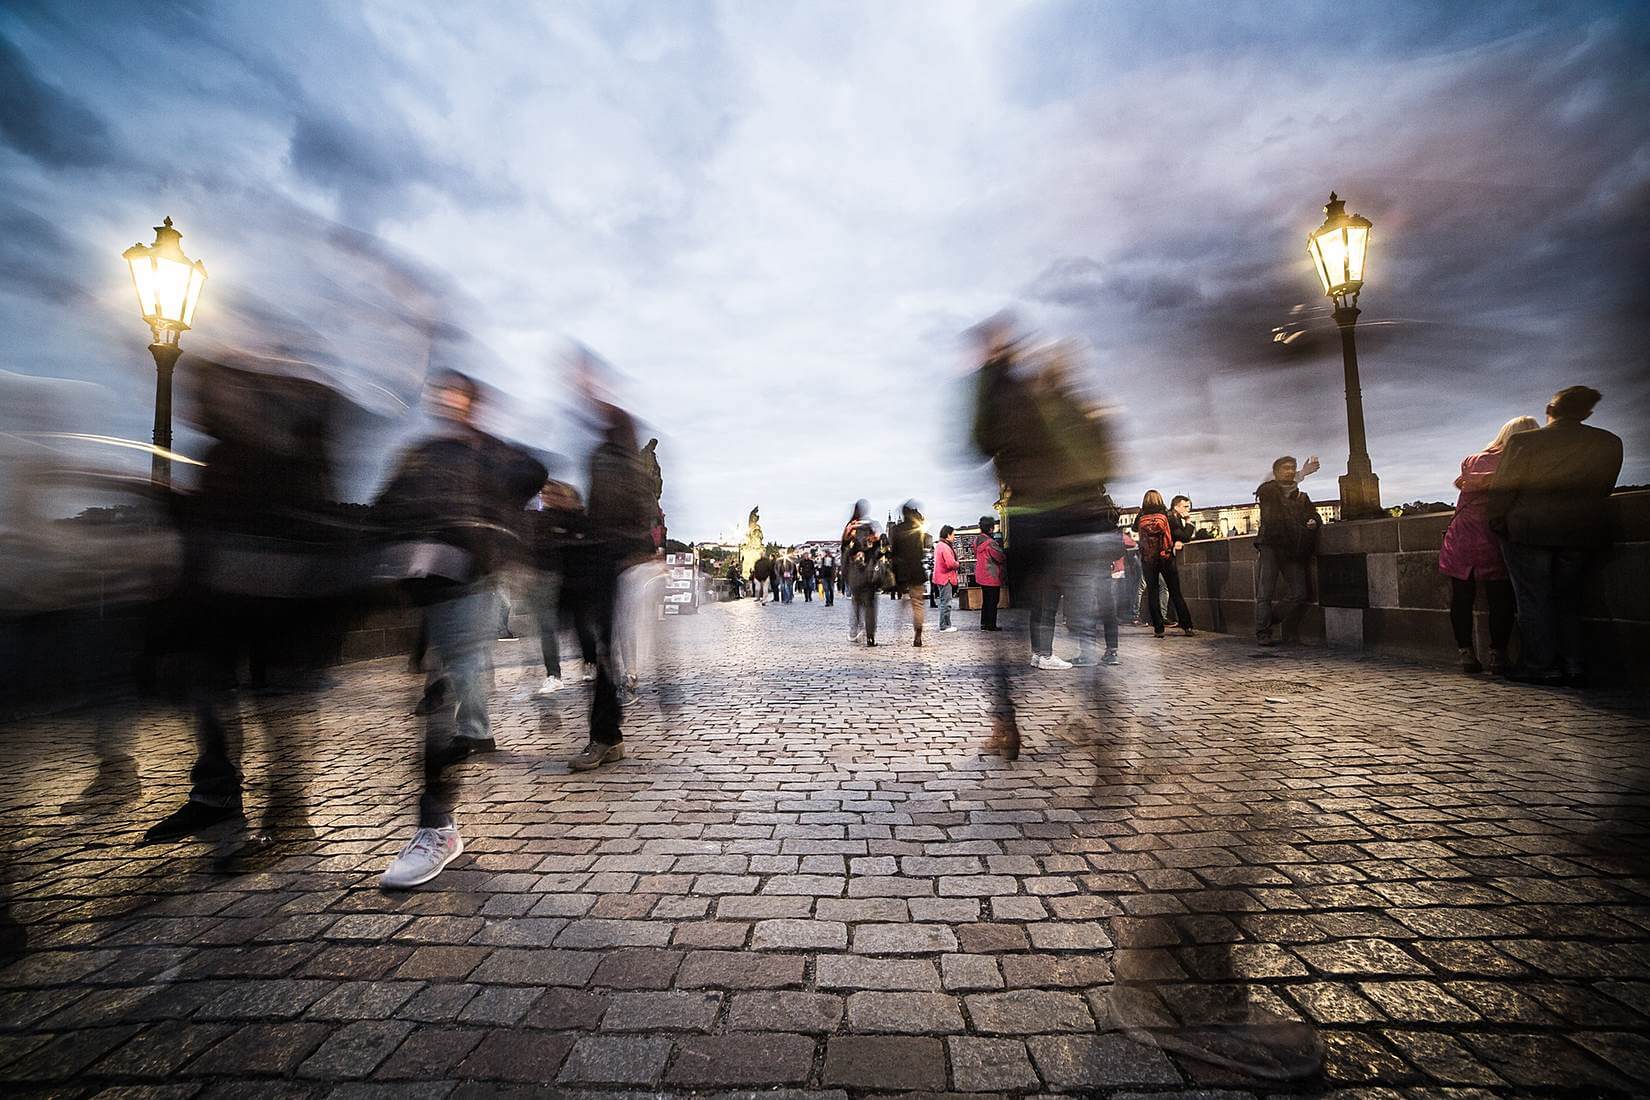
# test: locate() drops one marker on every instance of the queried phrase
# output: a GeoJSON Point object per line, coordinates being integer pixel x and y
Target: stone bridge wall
{"type": "Point", "coordinates": [1376, 586]}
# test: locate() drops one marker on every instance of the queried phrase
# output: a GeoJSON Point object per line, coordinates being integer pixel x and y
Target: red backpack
{"type": "Point", "coordinates": [1155, 539]}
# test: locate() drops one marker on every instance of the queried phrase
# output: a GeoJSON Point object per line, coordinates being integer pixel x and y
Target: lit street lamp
{"type": "Point", "coordinates": [168, 287]}
{"type": "Point", "coordinates": [1338, 249]}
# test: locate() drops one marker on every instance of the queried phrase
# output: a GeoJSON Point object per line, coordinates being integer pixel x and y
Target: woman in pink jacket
{"type": "Point", "coordinates": [1471, 554]}
{"type": "Point", "coordinates": [945, 575]}
{"type": "Point", "coordinates": [989, 561]}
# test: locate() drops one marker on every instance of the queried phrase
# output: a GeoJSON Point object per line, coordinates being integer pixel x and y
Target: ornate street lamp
{"type": "Point", "coordinates": [1338, 249]}
{"type": "Point", "coordinates": [168, 285]}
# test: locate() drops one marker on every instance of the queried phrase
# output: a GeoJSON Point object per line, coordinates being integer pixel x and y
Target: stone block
{"type": "Point", "coordinates": [784, 1011]}
{"type": "Point", "coordinates": [990, 1065]}
{"type": "Point", "coordinates": [1342, 580]}
{"type": "Point", "coordinates": [752, 1060]}
{"type": "Point", "coordinates": [1365, 536]}
{"type": "Point", "coordinates": [1381, 571]}
{"type": "Point", "coordinates": [904, 1012]}
{"type": "Point", "coordinates": [1419, 582]}
{"type": "Point", "coordinates": [1343, 627]}
{"type": "Point", "coordinates": [885, 1063]}
{"type": "Point", "coordinates": [1419, 533]}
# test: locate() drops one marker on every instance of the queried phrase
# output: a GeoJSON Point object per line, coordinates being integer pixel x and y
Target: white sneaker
{"type": "Point", "coordinates": [948, 630]}
{"type": "Point", "coordinates": [551, 685]}
{"type": "Point", "coordinates": [589, 672]}
{"type": "Point", "coordinates": [425, 856]}
{"type": "Point", "coordinates": [1051, 662]}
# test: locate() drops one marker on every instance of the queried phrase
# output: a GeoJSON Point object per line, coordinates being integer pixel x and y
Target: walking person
{"type": "Point", "coordinates": [1051, 453]}
{"type": "Point", "coordinates": [761, 576]}
{"type": "Point", "coordinates": [945, 575]}
{"type": "Point", "coordinates": [827, 577]}
{"type": "Point", "coordinates": [807, 573]}
{"type": "Point", "coordinates": [621, 516]}
{"type": "Point", "coordinates": [1549, 502]}
{"type": "Point", "coordinates": [1288, 533]}
{"type": "Point", "coordinates": [866, 573]}
{"type": "Point", "coordinates": [787, 578]}
{"type": "Point", "coordinates": [1157, 560]}
{"type": "Point", "coordinates": [989, 562]}
{"type": "Point", "coordinates": [1471, 556]}
{"type": "Point", "coordinates": [907, 538]}
{"type": "Point", "coordinates": [452, 500]}
{"type": "Point", "coordinates": [555, 520]}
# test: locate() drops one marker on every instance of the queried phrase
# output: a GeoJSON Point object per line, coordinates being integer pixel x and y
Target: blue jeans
{"type": "Point", "coordinates": [945, 591]}
{"type": "Point", "coordinates": [461, 629]}
{"type": "Point", "coordinates": [1547, 582]}
{"type": "Point", "coordinates": [787, 589]}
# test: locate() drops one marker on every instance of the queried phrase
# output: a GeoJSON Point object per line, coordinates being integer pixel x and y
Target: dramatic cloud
{"type": "Point", "coordinates": [776, 219]}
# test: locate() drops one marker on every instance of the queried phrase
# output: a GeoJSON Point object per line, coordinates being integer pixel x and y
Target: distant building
{"type": "Point", "coordinates": [1230, 520]}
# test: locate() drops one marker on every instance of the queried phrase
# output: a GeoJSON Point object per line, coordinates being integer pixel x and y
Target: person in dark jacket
{"type": "Point", "coordinates": [909, 574]}
{"type": "Point", "coordinates": [452, 507]}
{"type": "Point", "coordinates": [827, 577]}
{"type": "Point", "coordinates": [1288, 530]}
{"type": "Point", "coordinates": [556, 524]}
{"type": "Point", "coordinates": [807, 574]}
{"type": "Point", "coordinates": [761, 577]}
{"type": "Point", "coordinates": [1549, 504]}
{"type": "Point", "coordinates": [865, 567]}
{"type": "Point", "coordinates": [622, 513]}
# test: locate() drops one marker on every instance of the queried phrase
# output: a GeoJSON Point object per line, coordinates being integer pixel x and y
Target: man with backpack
{"type": "Point", "coordinates": [1289, 526]}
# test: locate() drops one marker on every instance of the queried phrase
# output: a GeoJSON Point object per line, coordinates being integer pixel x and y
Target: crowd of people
{"type": "Point", "coordinates": [272, 566]}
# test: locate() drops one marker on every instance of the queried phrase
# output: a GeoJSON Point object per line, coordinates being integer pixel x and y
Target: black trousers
{"type": "Point", "coordinates": [1161, 571]}
{"type": "Point", "coordinates": [989, 595]}
{"type": "Point", "coordinates": [1462, 595]}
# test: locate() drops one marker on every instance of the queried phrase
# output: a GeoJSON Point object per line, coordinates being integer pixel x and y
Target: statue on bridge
{"type": "Point", "coordinates": [754, 545]}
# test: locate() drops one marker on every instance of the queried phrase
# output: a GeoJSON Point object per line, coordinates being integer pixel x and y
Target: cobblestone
{"type": "Point", "coordinates": [1442, 877]}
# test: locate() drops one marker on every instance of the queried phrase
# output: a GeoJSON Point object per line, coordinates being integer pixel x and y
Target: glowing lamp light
{"type": "Point", "coordinates": [168, 283]}
{"type": "Point", "coordinates": [1338, 249]}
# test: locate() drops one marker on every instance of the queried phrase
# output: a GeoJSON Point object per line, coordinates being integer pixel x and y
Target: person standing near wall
{"type": "Point", "coordinates": [1471, 555]}
{"type": "Point", "coordinates": [1157, 559]}
{"type": "Point", "coordinates": [945, 575]}
{"type": "Point", "coordinates": [1549, 502]}
{"type": "Point", "coordinates": [989, 561]}
{"type": "Point", "coordinates": [1288, 532]}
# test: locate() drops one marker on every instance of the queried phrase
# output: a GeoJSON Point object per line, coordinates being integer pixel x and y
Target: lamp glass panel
{"type": "Point", "coordinates": [171, 289]}
{"type": "Point", "coordinates": [1332, 256]}
{"type": "Point", "coordinates": [143, 278]}
{"type": "Point", "coordinates": [1357, 248]}
{"type": "Point", "coordinates": [1316, 253]}
{"type": "Point", "coordinates": [197, 282]}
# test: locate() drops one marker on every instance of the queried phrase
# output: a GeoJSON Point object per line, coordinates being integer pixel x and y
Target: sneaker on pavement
{"type": "Point", "coordinates": [595, 755]}
{"type": "Point", "coordinates": [551, 685]}
{"type": "Point", "coordinates": [589, 672]}
{"type": "Point", "coordinates": [476, 744]}
{"type": "Point", "coordinates": [948, 630]}
{"type": "Point", "coordinates": [1051, 662]}
{"type": "Point", "coordinates": [1109, 657]}
{"type": "Point", "coordinates": [190, 818]}
{"type": "Point", "coordinates": [425, 856]}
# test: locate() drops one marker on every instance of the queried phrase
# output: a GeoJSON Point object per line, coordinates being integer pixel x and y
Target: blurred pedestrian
{"type": "Point", "coordinates": [906, 540]}
{"type": "Point", "coordinates": [555, 523]}
{"type": "Point", "coordinates": [989, 563]}
{"type": "Point", "coordinates": [1288, 534]}
{"type": "Point", "coordinates": [1471, 556]}
{"type": "Point", "coordinates": [1550, 504]}
{"type": "Point", "coordinates": [807, 572]}
{"type": "Point", "coordinates": [1051, 452]}
{"type": "Point", "coordinates": [827, 576]}
{"type": "Point", "coordinates": [761, 576]}
{"type": "Point", "coordinates": [452, 505]}
{"type": "Point", "coordinates": [867, 572]}
{"type": "Point", "coordinates": [945, 575]}
{"type": "Point", "coordinates": [787, 578]}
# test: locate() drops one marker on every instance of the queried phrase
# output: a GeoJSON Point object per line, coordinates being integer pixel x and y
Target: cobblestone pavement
{"type": "Point", "coordinates": [805, 879]}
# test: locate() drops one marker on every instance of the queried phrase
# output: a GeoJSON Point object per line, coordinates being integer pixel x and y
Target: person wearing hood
{"type": "Point", "coordinates": [1288, 532]}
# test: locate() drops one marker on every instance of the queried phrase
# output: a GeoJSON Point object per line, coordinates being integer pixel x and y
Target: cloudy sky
{"type": "Point", "coordinates": [775, 219]}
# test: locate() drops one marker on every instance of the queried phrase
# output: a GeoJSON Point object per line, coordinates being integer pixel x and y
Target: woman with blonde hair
{"type": "Point", "coordinates": [1471, 555]}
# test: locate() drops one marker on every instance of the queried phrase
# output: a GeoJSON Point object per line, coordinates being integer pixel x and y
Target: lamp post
{"type": "Point", "coordinates": [1338, 249]}
{"type": "Point", "coordinates": [168, 285]}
